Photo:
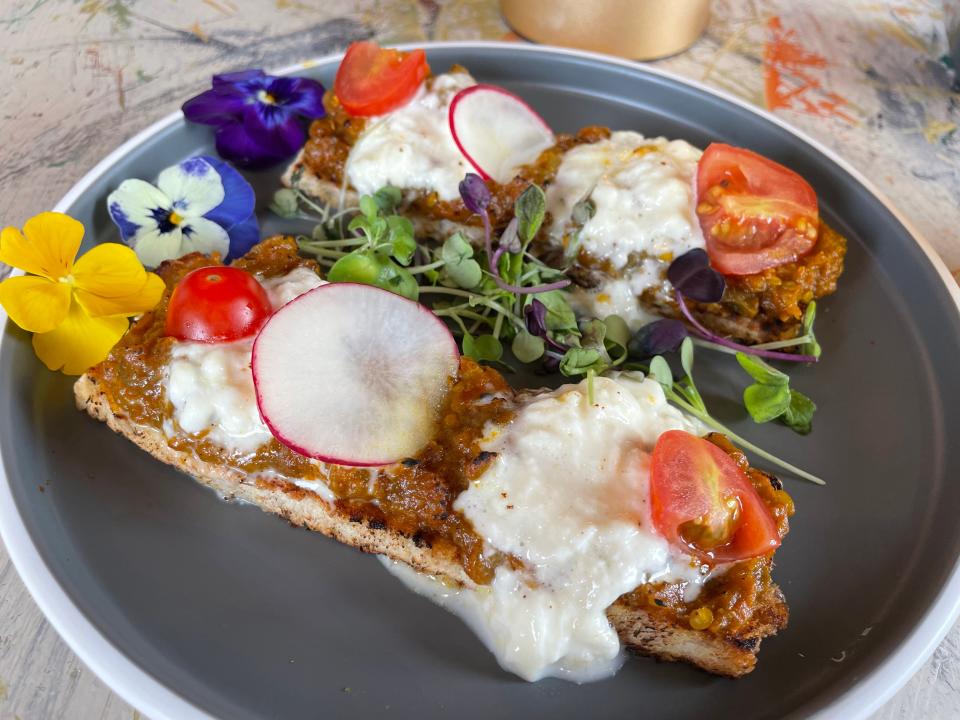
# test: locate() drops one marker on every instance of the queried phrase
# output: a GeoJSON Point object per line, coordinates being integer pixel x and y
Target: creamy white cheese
{"type": "Point", "coordinates": [211, 387]}
{"type": "Point", "coordinates": [567, 495]}
{"type": "Point", "coordinates": [284, 288]}
{"type": "Point", "coordinates": [412, 148]}
{"type": "Point", "coordinates": [642, 191]}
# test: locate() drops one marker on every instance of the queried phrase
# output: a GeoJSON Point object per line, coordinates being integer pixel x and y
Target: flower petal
{"type": "Point", "coordinates": [109, 270]}
{"type": "Point", "coordinates": [239, 199]}
{"type": "Point", "coordinates": [243, 236]}
{"type": "Point", "coordinates": [135, 202]}
{"type": "Point", "coordinates": [302, 96]}
{"type": "Point", "coordinates": [272, 127]}
{"type": "Point", "coordinates": [146, 298]}
{"type": "Point", "coordinates": [193, 185]}
{"type": "Point", "coordinates": [79, 342]}
{"type": "Point", "coordinates": [215, 107]}
{"type": "Point", "coordinates": [235, 144]}
{"type": "Point", "coordinates": [244, 78]}
{"type": "Point", "coordinates": [205, 236]}
{"type": "Point", "coordinates": [46, 247]}
{"type": "Point", "coordinates": [153, 246]}
{"type": "Point", "coordinates": [35, 303]}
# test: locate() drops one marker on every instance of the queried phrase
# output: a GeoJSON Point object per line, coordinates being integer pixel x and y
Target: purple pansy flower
{"type": "Point", "coordinates": [199, 205]}
{"type": "Point", "coordinates": [257, 116]}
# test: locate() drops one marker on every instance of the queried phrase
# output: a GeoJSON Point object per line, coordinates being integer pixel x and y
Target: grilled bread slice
{"type": "Point", "coordinates": [642, 624]}
{"type": "Point", "coordinates": [641, 631]}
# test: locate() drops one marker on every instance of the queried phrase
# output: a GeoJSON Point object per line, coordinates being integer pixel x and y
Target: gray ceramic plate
{"type": "Point", "coordinates": [191, 607]}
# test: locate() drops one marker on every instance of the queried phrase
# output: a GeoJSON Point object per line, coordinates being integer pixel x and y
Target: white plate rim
{"type": "Point", "coordinates": [159, 702]}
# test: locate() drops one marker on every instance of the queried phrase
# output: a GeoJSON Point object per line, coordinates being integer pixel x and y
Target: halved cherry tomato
{"type": "Point", "coordinates": [754, 213]}
{"type": "Point", "coordinates": [372, 80]}
{"type": "Point", "coordinates": [705, 504]}
{"type": "Point", "coordinates": [217, 304]}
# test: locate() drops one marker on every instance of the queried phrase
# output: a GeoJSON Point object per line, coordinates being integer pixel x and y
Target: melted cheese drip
{"type": "Point", "coordinates": [567, 495]}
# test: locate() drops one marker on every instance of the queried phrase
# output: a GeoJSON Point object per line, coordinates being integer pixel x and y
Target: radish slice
{"type": "Point", "coordinates": [496, 131]}
{"type": "Point", "coordinates": [352, 374]}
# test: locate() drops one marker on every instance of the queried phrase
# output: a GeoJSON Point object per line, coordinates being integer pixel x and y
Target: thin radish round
{"type": "Point", "coordinates": [496, 131]}
{"type": "Point", "coordinates": [352, 374]}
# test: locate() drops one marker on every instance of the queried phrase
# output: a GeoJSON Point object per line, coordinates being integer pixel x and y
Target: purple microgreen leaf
{"type": "Point", "coordinates": [657, 338]}
{"type": "Point", "coordinates": [475, 194]}
{"type": "Point", "coordinates": [719, 340]}
{"type": "Point", "coordinates": [692, 275]}
{"type": "Point", "coordinates": [535, 317]}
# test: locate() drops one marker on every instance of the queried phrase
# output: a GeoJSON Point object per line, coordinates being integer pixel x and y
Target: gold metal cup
{"type": "Point", "coordinates": [636, 29]}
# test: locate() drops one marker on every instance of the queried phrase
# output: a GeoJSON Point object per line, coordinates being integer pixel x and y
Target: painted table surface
{"type": "Point", "coordinates": [872, 80]}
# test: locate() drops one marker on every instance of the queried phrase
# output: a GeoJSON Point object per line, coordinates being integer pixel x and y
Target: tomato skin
{"type": "Point", "coordinates": [691, 478]}
{"type": "Point", "coordinates": [372, 80]}
{"type": "Point", "coordinates": [217, 304]}
{"type": "Point", "coordinates": [754, 212]}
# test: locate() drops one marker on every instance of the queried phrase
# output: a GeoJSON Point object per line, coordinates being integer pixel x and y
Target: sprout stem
{"type": "Point", "coordinates": [717, 339]}
{"type": "Point", "coordinates": [760, 452]}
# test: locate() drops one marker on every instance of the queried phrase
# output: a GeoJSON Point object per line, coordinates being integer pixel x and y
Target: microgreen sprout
{"type": "Point", "coordinates": [771, 397]}
{"type": "Point", "coordinates": [685, 395]}
{"type": "Point", "coordinates": [693, 278]}
{"type": "Point", "coordinates": [529, 211]}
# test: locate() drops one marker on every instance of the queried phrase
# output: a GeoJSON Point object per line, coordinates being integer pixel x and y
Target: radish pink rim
{"type": "Point", "coordinates": [422, 310]}
{"type": "Point", "coordinates": [487, 88]}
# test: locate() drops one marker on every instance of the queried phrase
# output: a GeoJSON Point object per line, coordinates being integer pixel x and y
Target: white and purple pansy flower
{"type": "Point", "coordinates": [199, 205]}
{"type": "Point", "coordinates": [258, 117]}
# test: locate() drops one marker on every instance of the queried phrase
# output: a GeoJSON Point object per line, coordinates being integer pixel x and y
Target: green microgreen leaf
{"type": "Point", "coordinates": [661, 372]}
{"type": "Point", "coordinates": [766, 402]}
{"type": "Point", "coordinates": [387, 198]}
{"type": "Point", "coordinates": [530, 208]}
{"type": "Point", "coordinates": [461, 268]}
{"type": "Point", "coordinates": [401, 239]}
{"type": "Point", "coordinates": [686, 357]}
{"type": "Point", "coordinates": [770, 397]}
{"type": "Point", "coordinates": [592, 334]}
{"type": "Point", "coordinates": [761, 371]}
{"type": "Point", "coordinates": [811, 347]}
{"type": "Point", "coordinates": [560, 316]}
{"type": "Point", "coordinates": [484, 347]}
{"type": "Point", "coordinates": [799, 415]}
{"type": "Point", "coordinates": [617, 337]}
{"type": "Point", "coordinates": [526, 347]}
{"type": "Point", "coordinates": [577, 360]}
{"type": "Point", "coordinates": [369, 207]}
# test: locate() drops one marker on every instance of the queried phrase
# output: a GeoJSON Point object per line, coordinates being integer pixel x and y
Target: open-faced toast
{"type": "Point", "coordinates": [129, 392]}
{"type": "Point", "coordinates": [640, 191]}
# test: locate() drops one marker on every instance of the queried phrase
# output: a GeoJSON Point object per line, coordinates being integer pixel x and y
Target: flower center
{"type": "Point", "coordinates": [174, 218]}
{"type": "Point", "coordinates": [266, 98]}
{"type": "Point", "coordinates": [67, 279]}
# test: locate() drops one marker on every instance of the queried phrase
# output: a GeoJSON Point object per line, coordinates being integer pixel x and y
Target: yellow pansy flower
{"type": "Point", "coordinates": [76, 308]}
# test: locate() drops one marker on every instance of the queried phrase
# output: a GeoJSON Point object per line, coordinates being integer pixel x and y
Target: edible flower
{"type": "Point", "coordinates": [200, 205]}
{"type": "Point", "coordinates": [257, 116]}
{"type": "Point", "coordinates": [77, 309]}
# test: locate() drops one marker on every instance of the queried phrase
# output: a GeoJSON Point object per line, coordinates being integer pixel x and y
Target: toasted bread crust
{"type": "Point", "coordinates": [641, 632]}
